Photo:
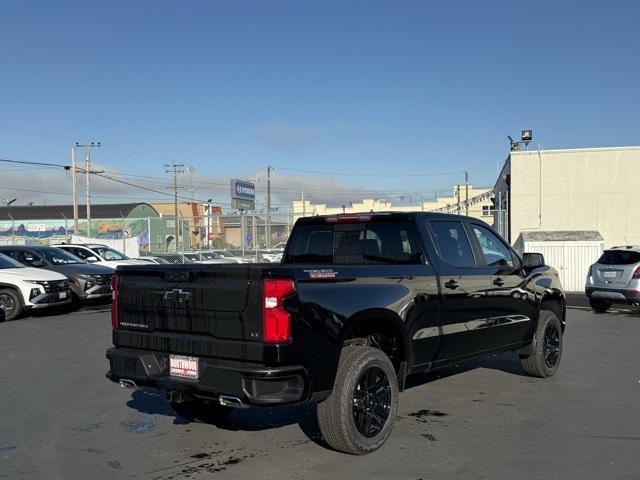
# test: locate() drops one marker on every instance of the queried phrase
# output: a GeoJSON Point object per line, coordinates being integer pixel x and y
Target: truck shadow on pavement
{"type": "Point", "coordinates": [151, 402]}
{"type": "Point", "coordinates": [251, 419]}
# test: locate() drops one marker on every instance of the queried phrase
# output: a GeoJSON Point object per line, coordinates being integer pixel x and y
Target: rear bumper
{"type": "Point", "coordinates": [252, 383]}
{"type": "Point", "coordinates": [614, 295]}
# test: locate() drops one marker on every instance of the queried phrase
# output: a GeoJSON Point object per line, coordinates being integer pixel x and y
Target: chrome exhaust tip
{"type": "Point", "coordinates": [126, 383]}
{"type": "Point", "coordinates": [227, 401]}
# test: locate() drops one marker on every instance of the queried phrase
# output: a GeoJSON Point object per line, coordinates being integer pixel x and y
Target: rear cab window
{"type": "Point", "coordinates": [619, 257]}
{"type": "Point", "coordinates": [361, 240]}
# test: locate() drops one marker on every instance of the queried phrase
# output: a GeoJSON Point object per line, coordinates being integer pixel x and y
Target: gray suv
{"type": "Point", "coordinates": [615, 278]}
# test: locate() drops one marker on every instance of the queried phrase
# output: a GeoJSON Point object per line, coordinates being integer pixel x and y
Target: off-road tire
{"type": "Point", "coordinates": [207, 411]}
{"type": "Point", "coordinates": [17, 302]}
{"type": "Point", "coordinates": [599, 306]}
{"type": "Point", "coordinates": [336, 414]}
{"type": "Point", "coordinates": [537, 364]}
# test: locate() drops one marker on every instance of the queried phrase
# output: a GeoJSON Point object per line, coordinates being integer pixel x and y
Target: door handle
{"type": "Point", "coordinates": [452, 284]}
{"type": "Point", "coordinates": [499, 282]}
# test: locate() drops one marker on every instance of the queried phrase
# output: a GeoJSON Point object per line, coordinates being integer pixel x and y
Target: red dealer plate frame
{"type": "Point", "coordinates": [182, 366]}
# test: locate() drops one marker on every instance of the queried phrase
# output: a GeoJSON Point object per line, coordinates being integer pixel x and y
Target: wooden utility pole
{"type": "Point", "coordinates": [175, 168]}
{"type": "Point", "coordinates": [268, 224]}
{"type": "Point", "coordinates": [88, 172]}
{"type": "Point", "coordinates": [74, 190]}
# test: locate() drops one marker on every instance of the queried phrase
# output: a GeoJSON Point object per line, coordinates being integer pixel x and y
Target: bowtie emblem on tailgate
{"type": "Point", "coordinates": [177, 295]}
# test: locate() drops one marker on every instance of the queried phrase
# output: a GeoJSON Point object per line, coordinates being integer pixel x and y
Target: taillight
{"type": "Point", "coordinates": [590, 271]}
{"type": "Point", "coordinates": [276, 320]}
{"type": "Point", "coordinates": [115, 284]}
{"type": "Point", "coordinates": [636, 274]}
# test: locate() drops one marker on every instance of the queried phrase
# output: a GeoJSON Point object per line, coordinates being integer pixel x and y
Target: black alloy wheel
{"type": "Point", "coordinates": [371, 402]}
{"type": "Point", "coordinates": [551, 345]}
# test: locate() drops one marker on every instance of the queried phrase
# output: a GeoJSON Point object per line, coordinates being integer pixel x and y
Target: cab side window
{"type": "Point", "coordinates": [452, 243]}
{"type": "Point", "coordinates": [495, 253]}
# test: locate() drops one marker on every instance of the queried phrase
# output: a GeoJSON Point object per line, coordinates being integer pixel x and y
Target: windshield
{"type": "Point", "coordinates": [8, 262]}
{"type": "Point", "coordinates": [57, 256]}
{"type": "Point", "coordinates": [109, 253]}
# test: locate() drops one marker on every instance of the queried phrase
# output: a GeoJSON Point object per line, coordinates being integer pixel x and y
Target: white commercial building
{"type": "Point", "coordinates": [556, 192]}
{"type": "Point", "coordinates": [594, 189]}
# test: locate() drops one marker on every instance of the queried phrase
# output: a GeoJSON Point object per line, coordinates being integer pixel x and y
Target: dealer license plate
{"type": "Point", "coordinates": [183, 366]}
{"type": "Point", "coordinates": [62, 295]}
{"type": "Point", "coordinates": [610, 274]}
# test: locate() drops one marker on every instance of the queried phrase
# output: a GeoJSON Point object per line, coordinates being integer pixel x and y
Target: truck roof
{"type": "Point", "coordinates": [379, 216]}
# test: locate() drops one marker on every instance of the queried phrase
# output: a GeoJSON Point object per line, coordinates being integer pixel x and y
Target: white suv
{"type": "Point", "coordinates": [100, 254]}
{"type": "Point", "coordinates": [25, 288]}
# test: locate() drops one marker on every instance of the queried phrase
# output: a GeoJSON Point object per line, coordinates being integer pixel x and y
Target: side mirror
{"type": "Point", "coordinates": [92, 259]}
{"type": "Point", "coordinates": [533, 260]}
{"type": "Point", "coordinates": [37, 263]}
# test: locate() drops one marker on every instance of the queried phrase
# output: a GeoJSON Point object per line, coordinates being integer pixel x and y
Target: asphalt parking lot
{"type": "Point", "coordinates": [61, 419]}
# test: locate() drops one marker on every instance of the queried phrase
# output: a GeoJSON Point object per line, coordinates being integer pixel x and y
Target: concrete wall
{"type": "Point", "coordinates": [577, 189]}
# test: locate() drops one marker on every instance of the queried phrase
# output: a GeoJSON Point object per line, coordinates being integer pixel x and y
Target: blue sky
{"type": "Point", "coordinates": [395, 87]}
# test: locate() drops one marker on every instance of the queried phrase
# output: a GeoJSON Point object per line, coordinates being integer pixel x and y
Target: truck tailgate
{"type": "Point", "coordinates": [206, 310]}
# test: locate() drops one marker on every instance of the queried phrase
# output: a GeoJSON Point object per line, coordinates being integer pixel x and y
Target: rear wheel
{"type": "Point", "coordinates": [208, 411]}
{"type": "Point", "coordinates": [359, 415]}
{"type": "Point", "coordinates": [10, 304]}
{"type": "Point", "coordinates": [545, 359]}
{"type": "Point", "coordinates": [599, 306]}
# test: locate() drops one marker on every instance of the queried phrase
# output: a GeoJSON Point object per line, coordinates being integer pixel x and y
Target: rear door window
{"type": "Point", "coordinates": [619, 257]}
{"type": "Point", "coordinates": [452, 243]}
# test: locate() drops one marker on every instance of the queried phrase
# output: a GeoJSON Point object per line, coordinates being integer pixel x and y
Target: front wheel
{"type": "Point", "coordinates": [359, 415]}
{"type": "Point", "coordinates": [10, 304]}
{"type": "Point", "coordinates": [545, 359]}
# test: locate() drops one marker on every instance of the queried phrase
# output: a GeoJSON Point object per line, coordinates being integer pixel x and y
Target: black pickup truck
{"type": "Point", "coordinates": [358, 303]}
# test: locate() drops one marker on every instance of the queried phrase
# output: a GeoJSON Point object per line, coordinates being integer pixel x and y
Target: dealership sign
{"type": "Point", "coordinates": [243, 195]}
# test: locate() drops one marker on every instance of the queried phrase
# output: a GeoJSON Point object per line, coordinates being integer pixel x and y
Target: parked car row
{"type": "Point", "coordinates": [200, 256]}
{"type": "Point", "coordinates": [271, 255]}
{"type": "Point", "coordinates": [37, 277]}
